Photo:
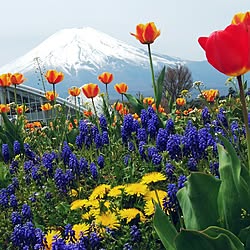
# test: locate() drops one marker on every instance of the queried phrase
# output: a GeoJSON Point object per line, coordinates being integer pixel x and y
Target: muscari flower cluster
{"type": "Point", "coordinates": [192, 145]}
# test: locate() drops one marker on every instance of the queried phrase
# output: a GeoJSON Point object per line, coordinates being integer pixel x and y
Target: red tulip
{"type": "Point", "coordinates": [229, 50]}
{"type": "Point", "coordinates": [53, 76]}
{"type": "Point", "coordinates": [146, 33]}
{"type": "Point", "coordinates": [90, 90]}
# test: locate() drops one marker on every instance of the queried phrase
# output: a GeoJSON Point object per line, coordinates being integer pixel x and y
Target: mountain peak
{"type": "Point", "coordinates": [84, 53]}
{"type": "Point", "coordinates": [81, 48]}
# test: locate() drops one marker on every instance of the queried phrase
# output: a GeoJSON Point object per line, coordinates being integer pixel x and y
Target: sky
{"type": "Point", "coordinates": [27, 23]}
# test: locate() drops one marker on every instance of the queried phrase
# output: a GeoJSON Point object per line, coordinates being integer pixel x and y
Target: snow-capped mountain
{"type": "Point", "coordinates": [84, 53]}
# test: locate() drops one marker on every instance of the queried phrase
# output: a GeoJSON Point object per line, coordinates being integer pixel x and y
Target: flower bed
{"type": "Point", "coordinates": [126, 180]}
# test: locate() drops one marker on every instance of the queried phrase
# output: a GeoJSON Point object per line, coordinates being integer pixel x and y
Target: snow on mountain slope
{"type": "Point", "coordinates": [82, 49]}
{"type": "Point", "coordinates": [84, 53]}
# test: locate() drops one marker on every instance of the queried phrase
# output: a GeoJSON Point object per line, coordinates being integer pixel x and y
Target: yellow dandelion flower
{"type": "Point", "coordinates": [93, 203]}
{"type": "Point", "coordinates": [153, 177]}
{"type": "Point", "coordinates": [78, 204]}
{"type": "Point", "coordinates": [87, 216]}
{"type": "Point", "coordinates": [116, 191]}
{"type": "Point", "coordinates": [107, 220]}
{"type": "Point", "coordinates": [80, 229]}
{"type": "Point", "coordinates": [152, 195]}
{"type": "Point", "coordinates": [97, 204]}
{"type": "Point", "coordinates": [136, 189]}
{"type": "Point", "coordinates": [49, 238]}
{"type": "Point", "coordinates": [131, 213]}
{"type": "Point", "coordinates": [73, 193]}
{"type": "Point", "coordinates": [149, 208]}
{"type": "Point", "coordinates": [99, 192]}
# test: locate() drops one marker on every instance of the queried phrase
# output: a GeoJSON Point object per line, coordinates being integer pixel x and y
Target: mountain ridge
{"type": "Point", "coordinates": [84, 53]}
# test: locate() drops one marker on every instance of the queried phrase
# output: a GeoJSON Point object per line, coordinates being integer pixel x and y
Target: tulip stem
{"type": "Point", "coordinates": [245, 116]}
{"type": "Point", "coordinates": [152, 71]}
{"type": "Point", "coordinates": [94, 106]}
{"type": "Point", "coordinates": [15, 95]}
{"type": "Point", "coordinates": [107, 90]}
{"type": "Point", "coordinates": [122, 100]}
{"type": "Point", "coordinates": [5, 95]}
{"type": "Point", "coordinates": [54, 92]}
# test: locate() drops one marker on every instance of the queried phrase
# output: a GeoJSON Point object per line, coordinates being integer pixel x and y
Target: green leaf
{"type": "Point", "coordinates": [71, 135]}
{"type": "Point", "coordinates": [198, 201]}
{"type": "Point", "coordinates": [159, 87]}
{"type": "Point", "coordinates": [245, 85]}
{"type": "Point", "coordinates": [5, 177]}
{"type": "Point", "coordinates": [210, 239]}
{"type": "Point", "coordinates": [137, 105]}
{"type": "Point", "coordinates": [165, 230]}
{"type": "Point", "coordinates": [229, 198]}
{"type": "Point", "coordinates": [245, 237]}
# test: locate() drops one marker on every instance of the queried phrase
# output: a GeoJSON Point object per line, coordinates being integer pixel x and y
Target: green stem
{"type": "Point", "coordinates": [152, 71]}
{"type": "Point", "coordinates": [245, 116]}
{"type": "Point", "coordinates": [107, 91]}
{"type": "Point", "coordinates": [54, 92]}
{"type": "Point", "coordinates": [122, 100]}
{"type": "Point", "coordinates": [5, 95]}
{"type": "Point", "coordinates": [15, 95]}
{"type": "Point", "coordinates": [94, 106]}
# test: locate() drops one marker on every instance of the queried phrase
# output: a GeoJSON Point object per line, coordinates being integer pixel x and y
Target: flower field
{"type": "Point", "coordinates": [137, 176]}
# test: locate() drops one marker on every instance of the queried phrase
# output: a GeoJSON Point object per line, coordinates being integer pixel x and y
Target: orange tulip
{"type": "Point", "coordinates": [53, 76]}
{"type": "Point", "coordinates": [21, 109]}
{"type": "Point", "coordinates": [106, 77]}
{"type": "Point", "coordinates": [148, 100]}
{"type": "Point", "coordinates": [5, 80]}
{"type": "Point", "coordinates": [121, 88]}
{"type": "Point", "coordinates": [135, 116]}
{"type": "Point", "coordinates": [90, 90]}
{"type": "Point", "coordinates": [74, 91]}
{"type": "Point", "coordinates": [146, 33]}
{"type": "Point", "coordinates": [160, 108]}
{"type": "Point", "coordinates": [180, 101]}
{"type": "Point", "coordinates": [29, 125]}
{"type": "Point", "coordinates": [177, 112]}
{"type": "Point", "coordinates": [210, 95]}
{"type": "Point", "coordinates": [228, 50]}
{"type": "Point", "coordinates": [17, 78]}
{"type": "Point", "coordinates": [46, 107]}
{"type": "Point", "coordinates": [4, 108]}
{"type": "Point", "coordinates": [124, 111]}
{"type": "Point", "coordinates": [118, 106]}
{"type": "Point", "coordinates": [37, 124]}
{"type": "Point", "coordinates": [50, 95]}
{"type": "Point", "coordinates": [87, 113]}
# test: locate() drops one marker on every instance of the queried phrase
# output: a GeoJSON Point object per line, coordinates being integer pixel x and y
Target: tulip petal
{"type": "Point", "coordinates": [150, 33]}
{"type": "Point", "coordinates": [202, 41]}
{"type": "Point", "coordinates": [228, 50]}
